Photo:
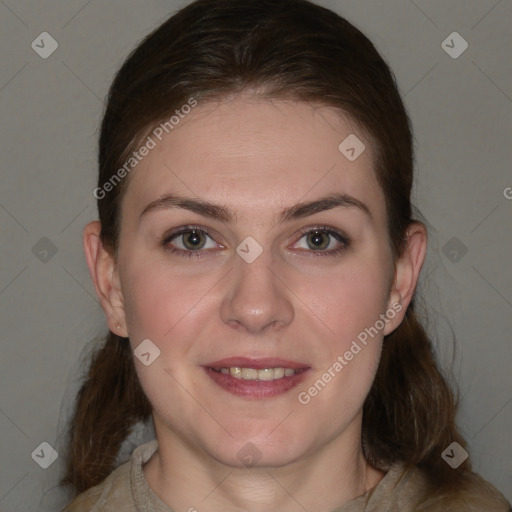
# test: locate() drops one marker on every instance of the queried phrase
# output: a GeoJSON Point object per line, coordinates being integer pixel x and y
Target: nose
{"type": "Point", "coordinates": [257, 298]}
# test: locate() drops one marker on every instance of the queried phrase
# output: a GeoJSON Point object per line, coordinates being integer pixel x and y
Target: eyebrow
{"type": "Point", "coordinates": [221, 213]}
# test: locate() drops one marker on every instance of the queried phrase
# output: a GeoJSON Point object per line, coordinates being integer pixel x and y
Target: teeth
{"type": "Point", "coordinates": [266, 374]}
{"type": "Point", "coordinates": [253, 374]}
{"type": "Point", "coordinates": [249, 374]}
{"type": "Point", "coordinates": [235, 372]}
{"type": "Point", "coordinates": [279, 373]}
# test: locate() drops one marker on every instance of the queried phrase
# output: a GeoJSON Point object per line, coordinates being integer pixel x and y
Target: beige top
{"type": "Point", "coordinates": [126, 490]}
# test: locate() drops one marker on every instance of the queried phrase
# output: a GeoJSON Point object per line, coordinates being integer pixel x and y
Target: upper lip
{"type": "Point", "coordinates": [256, 363]}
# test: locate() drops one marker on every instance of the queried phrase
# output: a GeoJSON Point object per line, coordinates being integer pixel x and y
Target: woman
{"type": "Point", "coordinates": [256, 260]}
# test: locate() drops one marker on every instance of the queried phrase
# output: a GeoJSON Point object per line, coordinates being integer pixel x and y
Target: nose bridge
{"type": "Point", "coordinates": [256, 298]}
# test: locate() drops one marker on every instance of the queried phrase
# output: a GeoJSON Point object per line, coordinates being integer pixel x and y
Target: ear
{"type": "Point", "coordinates": [104, 273]}
{"type": "Point", "coordinates": [407, 271]}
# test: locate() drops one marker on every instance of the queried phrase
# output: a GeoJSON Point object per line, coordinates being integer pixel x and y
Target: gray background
{"type": "Point", "coordinates": [50, 109]}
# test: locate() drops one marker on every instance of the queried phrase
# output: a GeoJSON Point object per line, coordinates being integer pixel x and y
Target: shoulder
{"type": "Point", "coordinates": [475, 495]}
{"type": "Point", "coordinates": [113, 494]}
{"type": "Point", "coordinates": [124, 489]}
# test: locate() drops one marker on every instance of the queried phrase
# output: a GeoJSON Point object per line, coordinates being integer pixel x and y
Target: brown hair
{"type": "Point", "coordinates": [289, 49]}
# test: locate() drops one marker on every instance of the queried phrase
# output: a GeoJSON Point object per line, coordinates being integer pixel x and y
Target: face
{"type": "Point", "coordinates": [261, 272]}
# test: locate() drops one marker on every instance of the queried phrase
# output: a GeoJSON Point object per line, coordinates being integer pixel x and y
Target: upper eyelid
{"type": "Point", "coordinates": [186, 229]}
{"type": "Point", "coordinates": [326, 229]}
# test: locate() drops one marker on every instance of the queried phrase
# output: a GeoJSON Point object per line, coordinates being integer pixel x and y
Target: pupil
{"type": "Point", "coordinates": [193, 239]}
{"type": "Point", "coordinates": [317, 239]}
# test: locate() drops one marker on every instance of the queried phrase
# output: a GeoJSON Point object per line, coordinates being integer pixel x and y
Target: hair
{"type": "Point", "coordinates": [275, 49]}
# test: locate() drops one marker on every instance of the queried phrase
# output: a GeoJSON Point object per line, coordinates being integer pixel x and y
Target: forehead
{"type": "Point", "coordinates": [257, 155]}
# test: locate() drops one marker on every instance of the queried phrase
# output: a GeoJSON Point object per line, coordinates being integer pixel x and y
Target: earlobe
{"type": "Point", "coordinates": [407, 271]}
{"type": "Point", "coordinates": [103, 270]}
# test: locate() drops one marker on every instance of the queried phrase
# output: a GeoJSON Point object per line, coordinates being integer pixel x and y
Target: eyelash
{"type": "Point", "coordinates": [200, 253]}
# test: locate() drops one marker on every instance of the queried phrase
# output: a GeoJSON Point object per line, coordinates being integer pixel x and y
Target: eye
{"type": "Point", "coordinates": [194, 241]}
{"type": "Point", "coordinates": [322, 240]}
{"type": "Point", "coordinates": [189, 241]}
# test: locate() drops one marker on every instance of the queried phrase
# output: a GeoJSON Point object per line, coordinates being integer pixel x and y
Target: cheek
{"type": "Point", "coordinates": [347, 306]}
{"type": "Point", "coordinates": [349, 300]}
{"type": "Point", "coordinates": [350, 347]}
{"type": "Point", "coordinates": [165, 305]}
{"type": "Point", "coordinates": [169, 309]}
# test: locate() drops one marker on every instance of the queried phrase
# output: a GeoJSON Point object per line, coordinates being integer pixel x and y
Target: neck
{"type": "Point", "coordinates": [187, 479]}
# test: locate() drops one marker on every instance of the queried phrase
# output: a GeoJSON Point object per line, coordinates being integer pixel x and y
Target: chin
{"type": "Point", "coordinates": [259, 450]}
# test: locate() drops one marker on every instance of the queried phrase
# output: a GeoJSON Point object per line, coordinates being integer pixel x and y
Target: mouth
{"type": "Point", "coordinates": [256, 378]}
{"type": "Point", "coordinates": [265, 374]}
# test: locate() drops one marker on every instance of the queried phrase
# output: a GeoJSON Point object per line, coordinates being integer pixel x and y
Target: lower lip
{"type": "Point", "coordinates": [256, 388]}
